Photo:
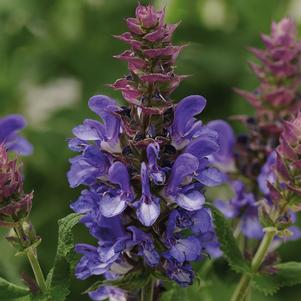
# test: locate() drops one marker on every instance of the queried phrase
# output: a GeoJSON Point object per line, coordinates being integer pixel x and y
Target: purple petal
{"type": "Point", "coordinates": [87, 202]}
{"type": "Point", "coordinates": [145, 181]}
{"type": "Point", "coordinates": [87, 167]}
{"type": "Point", "coordinates": [106, 107]}
{"type": "Point", "coordinates": [150, 254]}
{"type": "Point", "coordinates": [109, 230]}
{"type": "Point", "coordinates": [11, 124]}
{"type": "Point", "coordinates": [296, 233]}
{"type": "Point", "coordinates": [118, 174]}
{"type": "Point", "coordinates": [201, 221]}
{"type": "Point", "coordinates": [153, 150]}
{"type": "Point", "coordinates": [111, 253]}
{"type": "Point", "coordinates": [267, 174]}
{"type": "Point", "coordinates": [211, 177]}
{"type": "Point", "coordinates": [101, 103]}
{"type": "Point", "coordinates": [19, 145]}
{"type": "Point", "coordinates": [138, 235]}
{"type": "Point", "coordinates": [213, 249]}
{"type": "Point", "coordinates": [108, 293]}
{"type": "Point", "coordinates": [226, 140]}
{"type": "Point", "coordinates": [182, 274]}
{"type": "Point", "coordinates": [185, 165]}
{"type": "Point", "coordinates": [89, 264]}
{"type": "Point", "coordinates": [111, 205]}
{"type": "Point", "coordinates": [148, 211]}
{"type": "Point", "coordinates": [85, 249]}
{"type": "Point", "coordinates": [226, 208]}
{"type": "Point", "coordinates": [80, 172]}
{"type": "Point", "coordinates": [146, 246]}
{"type": "Point", "coordinates": [188, 249]}
{"type": "Point", "coordinates": [190, 201]}
{"type": "Point", "coordinates": [202, 146]}
{"type": "Point", "coordinates": [186, 109]}
{"type": "Point", "coordinates": [77, 145]}
{"type": "Point", "coordinates": [89, 130]}
{"type": "Point", "coordinates": [156, 174]}
{"type": "Point", "coordinates": [251, 227]}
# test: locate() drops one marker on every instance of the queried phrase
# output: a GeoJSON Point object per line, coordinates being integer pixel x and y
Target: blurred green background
{"type": "Point", "coordinates": [55, 54]}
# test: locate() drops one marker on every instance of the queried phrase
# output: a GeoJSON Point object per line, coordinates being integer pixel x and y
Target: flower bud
{"type": "Point", "coordinates": [288, 164]}
{"type": "Point", "coordinates": [278, 71]}
{"type": "Point", "coordinates": [15, 205]}
{"type": "Point", "coordinates": [148, 16]}
{"type": "Point", "coordinates": [151, 61]}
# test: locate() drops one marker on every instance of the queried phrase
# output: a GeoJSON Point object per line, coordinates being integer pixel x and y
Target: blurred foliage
{"type": "Point", "coordinates": [45, 40]}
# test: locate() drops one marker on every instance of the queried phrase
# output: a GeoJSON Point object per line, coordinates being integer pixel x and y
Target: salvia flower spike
{"type": "Point", "coordinates": [145, 167]}
{"type": "Point", "coordinates": [279, 71]}
{"type": "Point", "coordinates": [150, 59]}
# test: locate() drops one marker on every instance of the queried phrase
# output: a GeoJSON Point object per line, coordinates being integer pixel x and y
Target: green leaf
{"type": "Point", "coordinates": [11, 291]}
{"type": "Point", "coordinates": [131, 281]}
{"type": "Point", "coordinates": [40, 297]}
{"type": "Point", "coordinates": [59, 276]}
{"type": "Point", "coordinates": [227, 242]}
{"type": "Point", "coordinates": [288, 274]}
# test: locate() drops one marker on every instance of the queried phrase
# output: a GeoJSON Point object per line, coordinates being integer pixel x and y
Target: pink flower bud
{"type": "Point", "coordinates": [14, 204]}
{"type": "Point", "coordinates": [148, 16]}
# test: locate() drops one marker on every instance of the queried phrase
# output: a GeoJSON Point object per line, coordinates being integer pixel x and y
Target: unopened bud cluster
{"type": "Point", "coordinates": [15, 205]}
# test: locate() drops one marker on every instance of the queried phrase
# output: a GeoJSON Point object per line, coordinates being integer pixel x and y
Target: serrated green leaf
{"type": "Point", "coordinates": [59, 276]}
{"type": "Point", "coordinates": [227, 242]}
{"type": "Point", "coordinates": [265, 284]}
{"type": "Point", "coordinates": [288, 274]}
{"type": "Point", "coordinates": [11, 291]}
{"type": "Point", "coordinates": [131, 281]}
{"type": "Point", "coordinates": [41, 297]}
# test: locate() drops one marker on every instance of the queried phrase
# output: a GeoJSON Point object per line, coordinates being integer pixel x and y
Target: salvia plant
{"type": "Point", "coordinates": [144, 168]}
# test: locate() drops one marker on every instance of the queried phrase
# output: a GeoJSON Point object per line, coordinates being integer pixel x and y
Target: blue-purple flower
{"type": "Point", "coordinates": [110, 293]}
{"type": "Point", "coordinates": [226, 140]}
{"type": "Point", "coordinates": [148, 207]}
{"type": "Point", "coordinates": [244, 207]}
{"type": "Point", "coordinates": [9, 128]}
{"type": "Point", "coordinates": [145, 168]}
{"type": "Point", "coordinates": [121, 192]}
{"type": "Point", "coordinates": [185, 126]}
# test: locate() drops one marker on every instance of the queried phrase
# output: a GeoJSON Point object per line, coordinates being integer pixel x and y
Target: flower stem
{"type": "Point", "coordinates": [38, 273]}
{"type": "Point", "coordinates": [32, 256]}
{"type": "Point", "coordinates": [242, 288]}
{"type": "Point", "coordinates": [147, 293]}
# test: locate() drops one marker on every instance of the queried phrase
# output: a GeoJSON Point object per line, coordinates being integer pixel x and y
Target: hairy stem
{"type": "Point", "coordinates": [38, 273]}
{"type": "Point", "coordinates": [31, 254]}
{"type": "Point", "coordinates": [242, 288]}
{"type": "Point", "coordinates": [147, 293]}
